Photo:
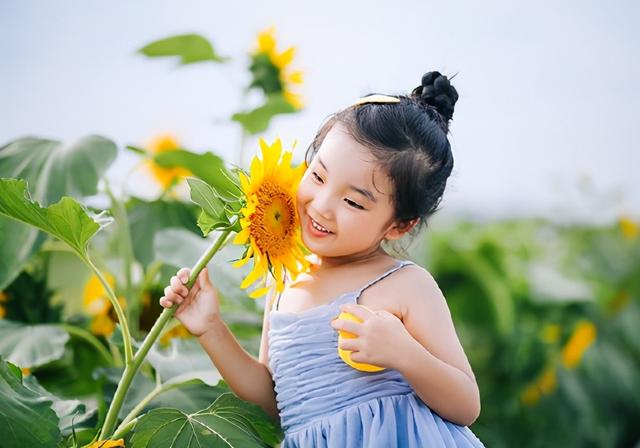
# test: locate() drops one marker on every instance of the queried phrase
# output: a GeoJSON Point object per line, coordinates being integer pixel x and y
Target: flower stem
{"type": "Point", "coordinates": [131, 368]}
{"type": "Point", "coordinates": [126, 336]}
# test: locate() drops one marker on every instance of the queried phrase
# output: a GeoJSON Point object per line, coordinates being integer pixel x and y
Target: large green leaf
{"type": "Point", "coordinates": [66, 219]}
{"type": "Point", "coordinates": [52, 169]}
{"type": "Point", "coordinates": [72, 413]}
{"type": "Point", "coordinates": [258, 120]}
{"type": "Point", "coordinates": [206, 166]}
{"type": "Point", "coordinates": [189, 47]}
{"type": "Point", "coordinates": [228, 422]}
{"type": "Point", "coordinates": [31, 345]}
{"type": "Point", "coordinates": [26, 417]}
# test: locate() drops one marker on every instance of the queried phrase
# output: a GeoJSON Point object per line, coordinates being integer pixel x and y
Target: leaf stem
{"type": "Point", "coordinates": [90, 338]}
{"type": "Point", "coordinates": [126, 336]}
{"type": "Point", "coordinates": [131, 368]}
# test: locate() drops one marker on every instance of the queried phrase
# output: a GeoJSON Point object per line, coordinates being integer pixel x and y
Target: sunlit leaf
{"type": "Point", "coordinates": [228, 422]}
{"type": "Point", "coordinates": [52, 169]}
{"type": "Point", "coordinates": [66, 219]}
{"type": "Point", "coordinates": [189, 47]}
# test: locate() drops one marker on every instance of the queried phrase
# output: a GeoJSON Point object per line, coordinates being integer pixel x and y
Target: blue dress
{"type": "Point", "coordinates": [323, 402]}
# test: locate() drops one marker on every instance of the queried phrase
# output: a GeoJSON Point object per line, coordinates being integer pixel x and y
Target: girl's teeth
{"type": "Point", "coordinates": [317, 226]}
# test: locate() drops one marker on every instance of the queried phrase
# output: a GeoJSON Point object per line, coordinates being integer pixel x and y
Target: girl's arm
{"type": "Point", "coordinates": [433, 361]}
{"type": "Point", "coordinates": [249, 378]}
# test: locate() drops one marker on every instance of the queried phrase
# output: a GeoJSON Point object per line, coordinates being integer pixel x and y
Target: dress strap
{"type": "Point", "coordinates": [398, 265]}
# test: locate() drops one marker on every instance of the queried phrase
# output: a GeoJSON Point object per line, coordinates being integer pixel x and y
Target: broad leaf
{"type": "Point", "coordinates": [258, 120]}
{"type": "Point", "coordinates": [206, 197]}
{"type": "Point", "coordinates": [31, 345]}
{"type": "Point", "coordinates": [228, 422]}
{"type": "Point", "coordinates": [26, 417]}
{"type": "Point", "coordinates": [189, 47]}
{"type": "Point", "coordinates": [52, 169]}
{"type": "Point", "coordinates": [72, 413]}
{"type": "Point", "coordinates": [206, 166]}
{"type": "Point", "coordinates": [66, 219]}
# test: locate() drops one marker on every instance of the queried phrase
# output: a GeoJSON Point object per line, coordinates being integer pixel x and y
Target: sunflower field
{"type": "Point", "coordinates": [548, 314]}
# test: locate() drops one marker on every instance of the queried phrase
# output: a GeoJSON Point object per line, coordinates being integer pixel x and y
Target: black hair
{"type": "Point", "coordinates": [409, 140]}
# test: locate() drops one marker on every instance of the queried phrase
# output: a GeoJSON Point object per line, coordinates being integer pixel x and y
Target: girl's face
{"type": "Point", "coordinates": [347, 193]}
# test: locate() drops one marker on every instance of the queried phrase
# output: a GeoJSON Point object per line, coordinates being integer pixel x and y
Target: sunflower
{"type": "Point", "coordinates": [271, 70]}
{"type": "Point", "coordinates": [269, 221]}
{"type": "Point", "coordinates": [583, 336]}
{"type": "Point", "coordinates": [97, 304]}
{"type": "Point", "coordinates": [108, 444]}
{"type": "Point", "coordinates": [165, 177]}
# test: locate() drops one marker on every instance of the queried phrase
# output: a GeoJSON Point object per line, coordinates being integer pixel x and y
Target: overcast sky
{"type": "Point", "coordinates": [547, 123]}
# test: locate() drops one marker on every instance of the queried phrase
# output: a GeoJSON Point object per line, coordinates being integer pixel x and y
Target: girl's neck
{"type": "Point", "coordinates": [320, 263]}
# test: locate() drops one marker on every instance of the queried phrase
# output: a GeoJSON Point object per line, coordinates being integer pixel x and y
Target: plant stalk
{"type": "Point", "coordinates": [131, 368]}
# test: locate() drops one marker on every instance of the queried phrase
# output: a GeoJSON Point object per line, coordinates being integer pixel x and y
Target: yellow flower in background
{"type": "Point", "coordinates": [108, 444]}
{"type": "Point", "coordinates": [270, 224]}
{"type": "Point", "coordinates": [179, 331]}
{"type": "Point", "coordinates": [583, 336]}
{"type": "Point", "coordinates": [3, 299]}
{"type": "Point", "coordinates": [266, 45]}
{"type": "Point", "coordinates": [165, 177]}
{"type": "Point", "coordinates": [543, 385]}
{"type": "Point", "coordinates": [25, 371]}
{"type": "Point", "coordinates": [629, 228]}
{"type": "Point", "coordinates": [97, 304]}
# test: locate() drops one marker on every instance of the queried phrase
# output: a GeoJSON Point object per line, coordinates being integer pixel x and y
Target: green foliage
{"type": "Point", "coordinates": [52, 169]}
{"type": "Point", "coordinates": [67, 219]}
{"type": "Point", "coordinates": [26, 417]}
{"type": "Point", "coordinates": [31, 345]}
{"type": "Point", "coordinates": [257, 120]}
{"type": "Point", "coordinates": [190, 48]}
{"type": "Point", "coordinates": [228, 420]}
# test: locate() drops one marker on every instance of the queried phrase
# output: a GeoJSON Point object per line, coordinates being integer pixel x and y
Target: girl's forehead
{"type": "Point", "coordinates": [345, 159]}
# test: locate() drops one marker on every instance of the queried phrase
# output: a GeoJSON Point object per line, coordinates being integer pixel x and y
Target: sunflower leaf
{"type": "Point", "coordinates": [67, 219]}
{"type": "Point", "coordinates": [206, 197]}
{"type": "Point", "coordinates": [189, 47]}
{"type": "Point", "coordinates": [31, 345]}
{"type": "Point", "coordinates": [26, 417]}
{"type": "Point", "coordinates": [257, 120]}
{"type": "Point", "coordinates": [228, 421]}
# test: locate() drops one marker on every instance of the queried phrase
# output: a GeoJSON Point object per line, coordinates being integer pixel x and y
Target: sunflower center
{"type": "Point", "coordinates": [274, 221]}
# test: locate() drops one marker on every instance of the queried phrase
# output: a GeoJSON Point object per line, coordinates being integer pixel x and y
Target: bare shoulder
{"type": "Point", "coordinates": [397, 292]}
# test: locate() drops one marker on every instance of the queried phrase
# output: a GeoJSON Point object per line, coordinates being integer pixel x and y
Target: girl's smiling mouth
{"type": "Point", "coordinates": [316, 231]}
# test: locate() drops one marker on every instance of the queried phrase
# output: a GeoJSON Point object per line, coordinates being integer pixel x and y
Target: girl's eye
{"type": "Point", "coordinates": [351, 203]}
{"type": "Point", "coordinates": [354, 204]}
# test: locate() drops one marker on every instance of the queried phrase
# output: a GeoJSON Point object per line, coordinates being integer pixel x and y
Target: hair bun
{"type": "Point", "coordinates": [436, 90]}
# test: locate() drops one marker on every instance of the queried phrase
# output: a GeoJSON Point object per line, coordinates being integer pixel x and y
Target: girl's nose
{"type": "Point", "coordinates": [322, 205]}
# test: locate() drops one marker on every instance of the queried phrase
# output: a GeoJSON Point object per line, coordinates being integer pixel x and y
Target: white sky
{"type": "Point", "coordinates": [546, 125]}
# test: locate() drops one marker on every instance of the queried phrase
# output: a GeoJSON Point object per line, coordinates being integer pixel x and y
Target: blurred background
{"type": "Point", "coordinates": [536, 244]}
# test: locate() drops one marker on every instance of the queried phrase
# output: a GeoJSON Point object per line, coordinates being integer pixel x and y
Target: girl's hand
{"type": "Point", "coordinates": [198, 308]}
{"type": "Point", "coordinates": [382, 339]}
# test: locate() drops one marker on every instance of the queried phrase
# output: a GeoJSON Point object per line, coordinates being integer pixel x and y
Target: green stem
{"type": "Point", "coordinates": [131, 368]}
{"type": "Point", "coordinates": [126, 336]}
{"type": "Point", "coordinates": [123, 430]}
{"type": "Point", "coordinates": [90, 338]}
{"type": "Point", "coordinates": [126, 250]}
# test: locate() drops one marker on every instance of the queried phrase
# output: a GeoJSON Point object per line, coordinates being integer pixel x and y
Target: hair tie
{"type": "Point", "coordinates": [376, 99]}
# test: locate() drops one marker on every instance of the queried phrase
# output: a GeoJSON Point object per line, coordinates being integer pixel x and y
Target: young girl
{"type": "Point", "coordinates": [375, 170]}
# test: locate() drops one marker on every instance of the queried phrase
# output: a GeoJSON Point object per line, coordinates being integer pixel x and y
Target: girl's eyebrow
{"type": "Point", "coordinates": [366, 193]}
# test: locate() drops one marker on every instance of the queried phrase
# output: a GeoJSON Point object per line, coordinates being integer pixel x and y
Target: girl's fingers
{"type": "Point", "coordinates": [170, 295]}
{"type": "Point", "coordinates": [178, 287]}
{"type": "Point", "coordinates": [183, 274]}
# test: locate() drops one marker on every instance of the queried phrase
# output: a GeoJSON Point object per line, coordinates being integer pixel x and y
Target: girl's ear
{"type": "Point", "coordinates": [398, 230]}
